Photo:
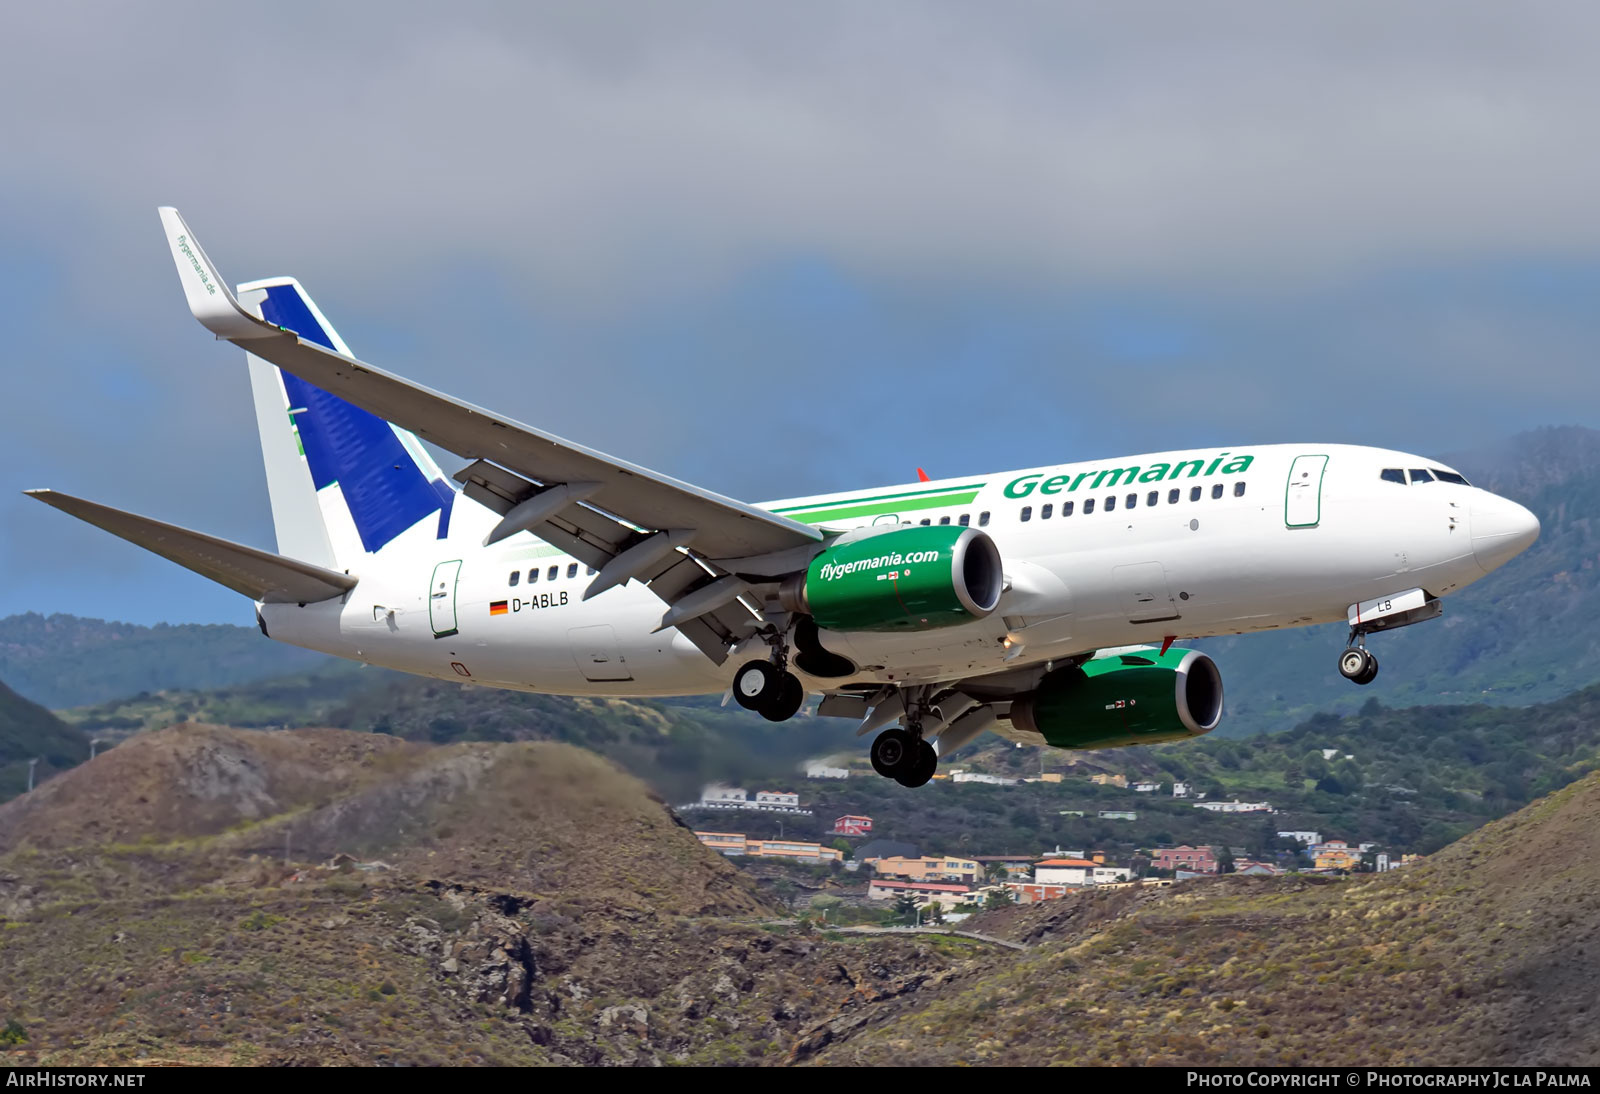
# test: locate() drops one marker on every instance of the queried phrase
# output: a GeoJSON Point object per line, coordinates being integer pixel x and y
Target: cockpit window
{"type": "Point", "coordinates": [1394, 474]}
{"type": "Point", "coordinates": [1450, 476]}
{"type": "Point", "coordinates": [1419, 475]}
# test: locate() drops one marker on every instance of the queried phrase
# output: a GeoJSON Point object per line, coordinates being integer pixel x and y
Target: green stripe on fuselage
{"type": "Point", "coordinates": [868, 507]}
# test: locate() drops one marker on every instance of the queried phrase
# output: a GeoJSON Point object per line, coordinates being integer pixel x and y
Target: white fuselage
{"type": "Point", "coordinates": [1201, 551]}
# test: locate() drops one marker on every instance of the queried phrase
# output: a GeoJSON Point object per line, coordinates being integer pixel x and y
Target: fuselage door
{"type": "Point", "coordinates": [442, 598]}
{"type": "Point", "coordinates": [1302, 500]}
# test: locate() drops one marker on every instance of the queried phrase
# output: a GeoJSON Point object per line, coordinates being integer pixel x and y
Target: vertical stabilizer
{"type": "Point", "coordinates": [343, 482]}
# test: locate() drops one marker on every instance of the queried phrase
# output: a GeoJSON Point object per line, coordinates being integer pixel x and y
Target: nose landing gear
{"type": "Point", "coordinates": [1357, 663]}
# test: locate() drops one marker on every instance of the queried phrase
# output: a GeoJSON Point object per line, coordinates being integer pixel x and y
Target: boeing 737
{"type": "Point", "coordinates": [1041, 604]}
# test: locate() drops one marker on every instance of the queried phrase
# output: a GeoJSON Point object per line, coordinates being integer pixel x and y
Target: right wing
{"type": "Point", "coordinates": [626, 521]}
{"type": "Point", "coordinates": [260, 575]}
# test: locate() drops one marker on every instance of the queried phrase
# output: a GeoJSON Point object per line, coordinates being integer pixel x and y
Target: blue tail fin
{"type": "Point", "coordinates": [353, 478]}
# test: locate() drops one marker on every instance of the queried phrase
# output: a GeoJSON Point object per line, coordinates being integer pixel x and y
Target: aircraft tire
{"type": "Point", "coordinates": [891, 751]}
{"type": "Point", "coordinates": [925, 764]}
{"type": "Point", "coordinates": [1371, 672]}
{"type": "Point", "coordinates": [1354, 663]}
{"type": "Point", "coordinates": [755, 684]}
{"type": "Point", "coordinates": [787, 698]}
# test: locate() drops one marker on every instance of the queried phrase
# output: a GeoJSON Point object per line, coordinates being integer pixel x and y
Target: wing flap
{"type": "Point", "coordinates": [260, 575]}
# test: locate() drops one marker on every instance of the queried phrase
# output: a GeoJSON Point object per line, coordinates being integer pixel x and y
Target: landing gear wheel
{"type": "Point", "coordinates": [1357, 665]}
{"type": "Point", "coordinates": [893, 751]}
{"type": "Point", "coordinates": [786, 699]}
{"type": "Point", "coordinates": [1372, 671]}
{"type": "Point", "coordinates": [755, 684]}
{"type": "Point", "coordinates": [925, 762]}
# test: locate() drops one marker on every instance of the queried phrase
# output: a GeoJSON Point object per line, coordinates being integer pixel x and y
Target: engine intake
{"type": "Point", "coordinates": [910, 579]}
{"type": "Point", "coordinates": [1127, 697]}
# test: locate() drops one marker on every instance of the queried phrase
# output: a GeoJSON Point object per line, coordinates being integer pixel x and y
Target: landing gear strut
{"type": "Point", "coordinates": [1357, 663]}
{"type": "Point", "coordinates": [769, 689]}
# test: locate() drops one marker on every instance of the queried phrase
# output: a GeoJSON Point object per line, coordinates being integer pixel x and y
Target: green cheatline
{"type": "Point", "coordinates": [942, 494]}
{"type": "Point", "coordinates": [906, 504]}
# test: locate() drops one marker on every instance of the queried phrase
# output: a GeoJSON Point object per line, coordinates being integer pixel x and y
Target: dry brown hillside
{"type": "Point", "coordinates": [1486, 953]}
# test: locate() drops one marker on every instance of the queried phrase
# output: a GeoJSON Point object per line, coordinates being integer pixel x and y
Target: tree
{"type": "Point", "coordinates": [996, 871]}
{"type": "Point", "coordinates": [999, 897]}
{"type": "Point", "coordinates": [905, 908]}
{"type": "Point", "coordinates": [1224, 860]}
{"type": "Point", "coordinates": [842, 845]}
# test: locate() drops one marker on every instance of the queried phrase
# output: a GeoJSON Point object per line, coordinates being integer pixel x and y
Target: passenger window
{"type": "Point", "coordinates": [1194, 493]}
{"type": "Point", "coordinates": [1393, 474]}
{"type": "Point", "coordinates": [1172, 496]}
{"type": "Point", "coordinates": [1047, 511]}
{"type": "Point", "coordinates": [1238, 489]}
{"type": "Point", "coordinates": [533, 575]}
{"type": "Point", "coordinates": [572, 570]}
{"type": "Point", "coordinates": [1152, 497]}
{"type": "Point", "coordinates": [925, 522]}
{"type": "Point", "coordinates": [944, 520]}
{"type": "Point", "coordinates": [1133, 500]}
{"type": "Point", "coordinates": [1419, 475]}
{"type": "Point", "coordinates": [1111, 503]}
{"type": "Point", "coordinates": [1088, 506]}
{"type": "Point", "coordinates": [983, 519]}
{"type": "Point", "coordinates": [1216, 491]}
{"type": "Point", "coordinates": [1450, 476]}
{"type": "Point", "coordinates": [1066, 508]}
{"type": "Point", "coordinates": [516, 576]}
{"type": "Point", "coordinates": [966, 518]}
{"type": "Point", "coordinates": [551, 576]}
{"type": "Point", "coordinates": [1027, 512]}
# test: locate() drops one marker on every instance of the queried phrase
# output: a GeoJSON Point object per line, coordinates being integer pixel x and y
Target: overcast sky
{"type": "Point", "coordinates": [783, 249]}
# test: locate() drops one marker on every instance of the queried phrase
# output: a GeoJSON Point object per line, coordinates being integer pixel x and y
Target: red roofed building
{"type": "Point", "coordinates": [852, 826]}
{"type": "Point", "coordinates": [946, 895]}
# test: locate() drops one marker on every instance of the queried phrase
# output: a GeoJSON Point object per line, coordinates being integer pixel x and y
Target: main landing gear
{"type": "Point", "coordinates": [769, 689]}
{"type": "Point", "coordinates": [1357, 663]}
{"type": "Point", "coordinates": [902, 755]}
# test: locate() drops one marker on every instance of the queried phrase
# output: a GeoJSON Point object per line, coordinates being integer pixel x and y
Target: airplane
{"type": "Point", "coordinates": [1042, 604]}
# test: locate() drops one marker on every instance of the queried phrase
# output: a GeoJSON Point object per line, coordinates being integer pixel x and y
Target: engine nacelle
{"type": "Point", "coordinates": [910, 579]}
{"type": "Point", "coordinates": [1128, 697]}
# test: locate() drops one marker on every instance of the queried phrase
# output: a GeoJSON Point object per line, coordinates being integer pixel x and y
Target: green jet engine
{"type": "Point", "coordinates": [910, 579]}
{"type": "Point", "coordinates": [1125, 697]}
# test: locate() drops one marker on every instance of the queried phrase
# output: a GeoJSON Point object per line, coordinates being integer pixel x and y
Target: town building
{"type": "Point", "coordinates": [1146, 788]}
{"type": "Point", "coordinates": [1107, 875]}
{"type": "Point", "coordinates": [1117, 814]}
{"type": "Point", "coordinates": [1180, 790]}
{"type": "Point", "coordinates": [929, 868]}
{"type": "Point", "coordinates": [1197, 860]}
{"type": "Point", "coordinates": [1032, 892]}
{"type": "Point", "coordinates": [823, 771]}
{"type": "Point", "coordinates": [733, 797]}
{"type": "Point", "coordinates": [1076, 872]}
{"type": "Point", "coordinates": [1255, 868]}
{"type": "Point", "coordinates": [724, 797]}
{"type": "Point", "coordinates": [1235, 807]}
{"type": "Point", "coordinates": [1015, 866]}
{"type": "Point", "coordinates": [1118, 781]}
{"type": "Point", "coordinates": [736, 843]}
{"type": "Point", "coordinates": [779, 799]}
{"type": "Point", "coordinates": [959, 776]}
{"type": "Point", "coordinates": [1336, 854]}
{"type": "Point", "coordinates": [944, 894]}
{"type": "Point", "coordinates": [1310, 839]}
{"type": "Point", "coordinates": [851, 825]}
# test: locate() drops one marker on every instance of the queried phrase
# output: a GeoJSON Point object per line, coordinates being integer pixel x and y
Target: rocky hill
{"type": "Point", "coordinates": [1485, 953]}
{"type": "Point", "coordinates": [211, 895]}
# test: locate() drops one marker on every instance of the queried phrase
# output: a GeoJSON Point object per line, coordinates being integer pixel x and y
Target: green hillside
{"type": "Point", "coordinates": [27, 732]}
{"type": "Point", "coordinates": [65, 661]}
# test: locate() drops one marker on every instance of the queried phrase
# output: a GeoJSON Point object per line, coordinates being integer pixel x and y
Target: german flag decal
{"type": "Point", "coordinates": [497, 607]}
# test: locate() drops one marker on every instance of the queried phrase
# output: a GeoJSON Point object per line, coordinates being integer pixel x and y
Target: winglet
{"type": "Point", "coordinates": [209, 297]}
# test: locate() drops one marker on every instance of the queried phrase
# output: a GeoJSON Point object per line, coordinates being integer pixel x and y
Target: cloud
{"type": "Point", "coordinates": [781, 249]}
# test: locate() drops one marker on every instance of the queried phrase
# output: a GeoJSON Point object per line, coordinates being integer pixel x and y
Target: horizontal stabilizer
{"type": "Point", "coordinates": [260, 575]}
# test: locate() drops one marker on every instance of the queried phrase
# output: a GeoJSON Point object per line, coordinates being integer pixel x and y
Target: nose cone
{"type": "Point", "coordinates": [1501, 530]}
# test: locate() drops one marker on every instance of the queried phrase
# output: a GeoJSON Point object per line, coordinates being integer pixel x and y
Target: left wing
{"type": "Point", "coordinates": [626, 521]}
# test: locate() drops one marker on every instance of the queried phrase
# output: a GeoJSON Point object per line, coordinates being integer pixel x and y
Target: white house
{"type": "Point", "coordinates": [1310, 839]}
{"type": "Point", "coordinates": [1064, 871]}
{"type": "Point", "coordinates": [1235, 807]}
{"type": "Point", "coordinates": [976, 777]}
{"type": "Point", "coordinates": [1117, 814]}
{"type": "Point", "coordinates": [724, 797]}
{"type": "Point", "coordinates": [823, 771]}
{"type": "Point", "coordinates": [1146, 788]}
{"type": "Point", "coordinates": [1105, 875]}
{"type": "Point", "coordinates": [777, 797]}
{"type": "Point", "coordinates": [1180, 790]}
